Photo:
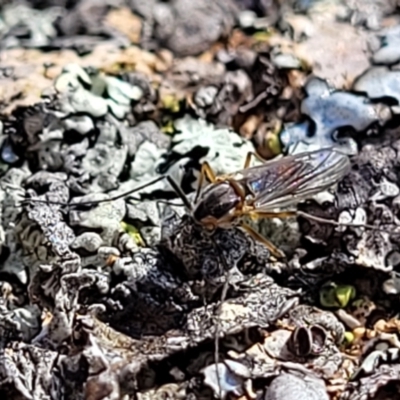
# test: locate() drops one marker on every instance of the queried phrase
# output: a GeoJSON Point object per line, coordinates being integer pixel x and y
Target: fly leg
{"type": "Point", "coordinates": [254, 215]}
{"type": "Point", "coordinates": [256, 236]}
{"type": "Point", "coordinates": [205, 172]}
{"type": "Point", "coordinates": [252, 154]}
{"type": "Point", "coordinates": [249, 156]}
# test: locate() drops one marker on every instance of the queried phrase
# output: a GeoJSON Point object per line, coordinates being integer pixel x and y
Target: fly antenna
{"type": "Point", "coordinates": [179, 192]}
{"type": "Point", "coordinates": [170, 180]}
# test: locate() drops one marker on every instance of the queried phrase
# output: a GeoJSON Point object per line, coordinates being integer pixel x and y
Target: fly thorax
{"type": "Point", "coordinates": [217, 201]}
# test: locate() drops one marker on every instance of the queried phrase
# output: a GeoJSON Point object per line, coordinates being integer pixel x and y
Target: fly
{"type": "Point", "coordinates": [261, 191]}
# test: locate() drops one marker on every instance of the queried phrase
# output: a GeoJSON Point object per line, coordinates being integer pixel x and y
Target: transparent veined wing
{"type": "Point", "coordinates": [291, 179]}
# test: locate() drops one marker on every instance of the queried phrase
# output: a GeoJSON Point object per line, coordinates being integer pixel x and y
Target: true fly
{"type": "Point", "coordinates": [257, 192]}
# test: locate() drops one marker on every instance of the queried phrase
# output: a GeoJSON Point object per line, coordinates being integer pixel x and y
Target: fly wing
{"type": "Point", "coordinates": [291, 179]}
